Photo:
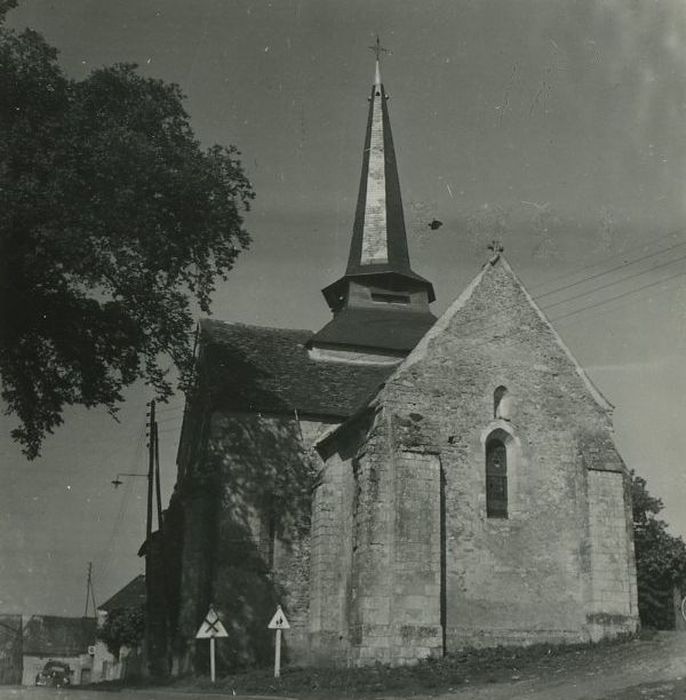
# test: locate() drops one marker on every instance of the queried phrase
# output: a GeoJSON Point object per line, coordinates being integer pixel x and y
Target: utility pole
{"type": "Point", "coordinates": [90, 594]}
{"type": "Point", "coordinates": [164, 587]}
{"type": "Point", "coordinates": [153, 460]}
{"type": "Point", "coordinates": [158, 488]}
{"type": "Point", "coordinates": [152, 439]}
{"type": "Point", "coordinates": [152, 427]}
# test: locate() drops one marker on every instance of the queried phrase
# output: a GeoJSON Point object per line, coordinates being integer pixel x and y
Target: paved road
{"type": "Point", "coordinates": [11, 693]}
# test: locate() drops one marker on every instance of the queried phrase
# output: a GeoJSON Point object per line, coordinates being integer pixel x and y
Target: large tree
{"type": "Point", "coordinates": [660, 559]}
{"type": "Point", "coordinates": [114, 222]}
{"type": "Point", "coordinates": [123, 627]}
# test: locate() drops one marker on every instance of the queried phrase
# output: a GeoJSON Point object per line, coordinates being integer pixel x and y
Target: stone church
{"type": "Point", "coordinates": [404, 486]}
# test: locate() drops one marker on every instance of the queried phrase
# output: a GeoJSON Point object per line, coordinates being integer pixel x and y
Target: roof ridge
{"type": "Point", "coordinates": [404, 310]}
{"type": "Point", "coordinates": [215, 321]}
{"type": "Point", "coordinates": [598, 395]}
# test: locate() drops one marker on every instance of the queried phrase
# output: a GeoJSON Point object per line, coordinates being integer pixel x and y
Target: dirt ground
{"type": "Point", "coordinates": [639, 670]}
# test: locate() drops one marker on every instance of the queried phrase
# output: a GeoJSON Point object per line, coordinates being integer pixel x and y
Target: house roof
{"type": "Point", "coordinates": [50, 635]}
{"type": "Point", "coordinates": [269, 369]}
{"type": "Point", "coordinates": [131, 596]}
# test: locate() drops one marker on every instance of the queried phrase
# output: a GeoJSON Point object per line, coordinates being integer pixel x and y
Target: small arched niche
{"type": "Point", "coordinates": [502, 403]}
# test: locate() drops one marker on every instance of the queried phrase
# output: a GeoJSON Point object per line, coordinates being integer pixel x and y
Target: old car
{"type": "Point", "coordinates": [56, 674]}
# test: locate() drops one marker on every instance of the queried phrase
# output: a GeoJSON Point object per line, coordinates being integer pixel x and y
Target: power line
{"type": "Point", "coordinates": [606, 311]}
{"type": "Point", "coordinates": [610, 284]}
{"type": "Point", "coordinates": [607, 272]}
{"type": "Point", "coordinates": [620, 296]}
{"type": "Point", "coordinates": [608, 258]}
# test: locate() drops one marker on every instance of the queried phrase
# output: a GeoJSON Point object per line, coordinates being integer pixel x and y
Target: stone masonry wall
{"type": "Point", "coordinates": [611, 605]}
{"type": "Point", "coordinates": [195, 583]}
{"type": "Point", "coordinates": [261, 554]}
{"type": "Point", "coordinates": [372, 575]}
{"type": "Point", "coordinates": [630, 545]}
{"type": "Point", "coordinates": [331, 565]}
{"type": "Point", "coordinates": [416, 593]}
{"type": "Point", "coordinates": [376, 558]}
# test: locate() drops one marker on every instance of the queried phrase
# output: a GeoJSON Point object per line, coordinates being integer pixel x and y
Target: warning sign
{"type": "Point", "coordinates": [211, 626]}
{"type": "Point", "coordinates": [279, 621]}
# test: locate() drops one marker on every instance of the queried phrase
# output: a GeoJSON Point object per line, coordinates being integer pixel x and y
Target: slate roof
{"type": "Point", "coordinates": [269, 369]}
{"type": "Point", "coordinates": [396, 238]}
{"type": "Point", "coordinates": [376, 328]}
{"type": "Point", "coordinates": [131, 596]}
{"type": "Point", "coordinates": [51, 635]}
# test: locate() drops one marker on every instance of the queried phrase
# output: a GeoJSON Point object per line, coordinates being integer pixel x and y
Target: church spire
{"type": "Point", "coordinates": [371, 244]}
{"type": "Point", "coordinates": [379, 240]}
{"type": "Point", "coordinates": [380, 305]}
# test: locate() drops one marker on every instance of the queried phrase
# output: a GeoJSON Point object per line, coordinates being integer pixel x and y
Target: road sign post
{"type": "Point", "coordinates": [277, 654]}
{"type": "Point", "coordinates": [278, 623]}
{"type": "Point", "coordinates": [211, 628]}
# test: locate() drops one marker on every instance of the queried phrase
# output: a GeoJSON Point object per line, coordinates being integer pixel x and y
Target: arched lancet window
{"type": "Point", "coordinates": [496, 477]}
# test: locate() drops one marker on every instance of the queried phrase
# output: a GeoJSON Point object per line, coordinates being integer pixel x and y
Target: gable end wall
{"type": "Point", "coordinates": [532, 576]}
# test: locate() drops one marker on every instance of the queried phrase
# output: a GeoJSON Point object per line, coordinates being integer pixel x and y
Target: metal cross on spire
{"type": "Point", "coordinates": [378, 49]}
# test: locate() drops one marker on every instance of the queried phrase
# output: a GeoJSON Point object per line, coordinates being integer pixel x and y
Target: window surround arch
{"type": "Point", "coordinates": [499, 425]}
{"type": "Point", "coordinates": [502, 430]}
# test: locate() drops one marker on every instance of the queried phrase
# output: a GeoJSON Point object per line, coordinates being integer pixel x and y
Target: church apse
{"type": "Point", "coordinates": [551, 549]}
{"type": "Point", "coordinates": [490, 404]}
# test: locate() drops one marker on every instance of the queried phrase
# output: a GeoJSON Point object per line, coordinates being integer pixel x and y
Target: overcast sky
{"type": "Point", "coordinates": [559, 123]}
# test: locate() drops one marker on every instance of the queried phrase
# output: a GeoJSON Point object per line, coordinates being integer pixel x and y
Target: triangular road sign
{"type": "Point", "coordinates": [211, 626]}
{"type": "Point", "coordinates": [279, 621]}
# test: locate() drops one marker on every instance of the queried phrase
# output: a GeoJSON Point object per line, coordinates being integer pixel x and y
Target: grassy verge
{"type": "Point", "coordinates": [472, 666]}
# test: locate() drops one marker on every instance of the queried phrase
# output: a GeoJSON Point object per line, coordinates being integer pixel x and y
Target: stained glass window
{"type": "Point", "coordinates": [496, 478]}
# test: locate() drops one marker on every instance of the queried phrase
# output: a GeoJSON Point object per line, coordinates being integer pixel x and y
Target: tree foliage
{"type": "Point", "coordinates": [124, 627]}
{"type": "Point", "coordinates": [660, 558]}
{"type": "Point", "coordinates": [115, 221]}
